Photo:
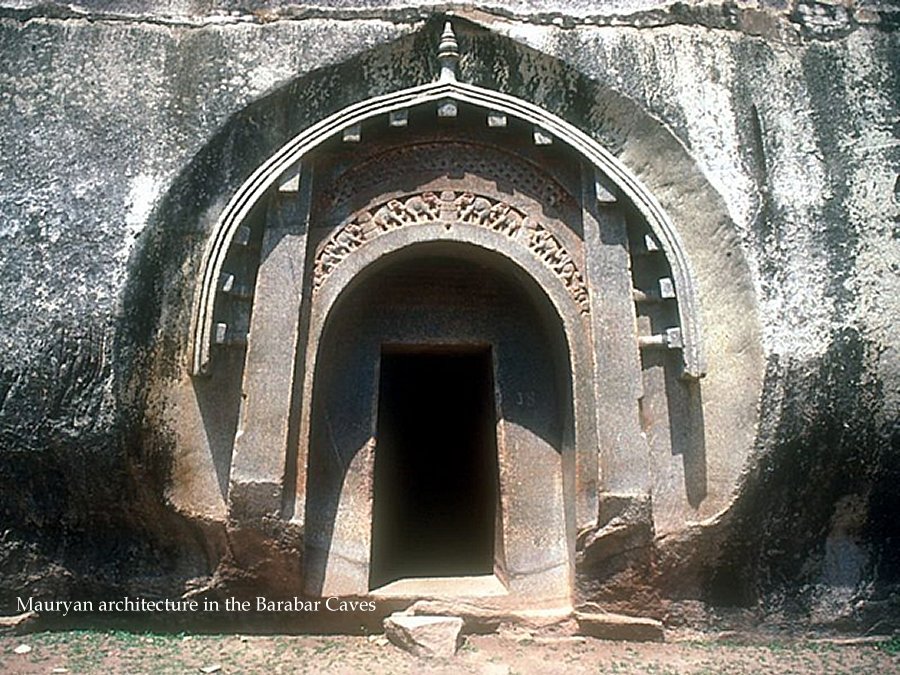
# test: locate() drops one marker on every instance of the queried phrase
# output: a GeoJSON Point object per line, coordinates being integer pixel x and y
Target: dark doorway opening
{"type": "Point", "coordinates": [436, 477]}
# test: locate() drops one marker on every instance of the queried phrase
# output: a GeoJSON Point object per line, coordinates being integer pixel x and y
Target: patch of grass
{"type": "Point", "coordinates": [819, 647]}
{"type": "Point", "coordinates": [468, 646]}
{"type": "Point", "coordinates": [890, 646]}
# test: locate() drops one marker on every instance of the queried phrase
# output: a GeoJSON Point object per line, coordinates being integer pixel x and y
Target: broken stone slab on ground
{"type": "Point", "coordinates": [608, 626]}
{"type": "Point", "coordinates": [424, 635]}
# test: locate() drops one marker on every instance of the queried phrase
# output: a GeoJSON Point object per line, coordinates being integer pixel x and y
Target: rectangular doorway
{"type": "Point", "coordinates": [436, 476]}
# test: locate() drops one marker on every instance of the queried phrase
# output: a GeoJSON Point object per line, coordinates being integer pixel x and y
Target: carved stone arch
{"type": "Point", "coordinates": [340, 567]}
{"type": "Point", "coordinates": [242, 257]}
{"type": "Point", "coordinates": [454, 210]}
{"type": "Point", "coordinates": [615, 275]}
{"type": "Point", "coordinates": [283, 167]}
{"type": "Point", "coordinates": [557, 293]}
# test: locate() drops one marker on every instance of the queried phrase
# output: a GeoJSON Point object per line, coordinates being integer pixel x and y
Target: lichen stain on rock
{"type": "Point", "coordinates": [82, 508]}
{"type": "Point", "coordinates": [819, 520]}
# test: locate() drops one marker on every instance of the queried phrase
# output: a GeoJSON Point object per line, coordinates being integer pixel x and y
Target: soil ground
{"type": "Point", "coordinates": [507, 653]}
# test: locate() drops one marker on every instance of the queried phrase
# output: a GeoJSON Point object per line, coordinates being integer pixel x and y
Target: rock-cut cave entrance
{"type": "Point", "coordinates": [443, 214]}
{"type": "Point", "coordinates": [440, 433]}
{"type": "Point", "coordinates": [436, 481]}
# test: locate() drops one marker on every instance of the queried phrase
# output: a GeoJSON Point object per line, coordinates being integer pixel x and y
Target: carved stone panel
{"type": "Point", "coordinates": [453, 209]}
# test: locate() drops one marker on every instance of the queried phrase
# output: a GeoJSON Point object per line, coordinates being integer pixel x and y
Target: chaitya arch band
{"type": "Point", "coordinates": [282, 166]}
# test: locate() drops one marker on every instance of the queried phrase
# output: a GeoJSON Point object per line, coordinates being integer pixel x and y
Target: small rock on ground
{"type": "Point", "coordinates": [424, 635]}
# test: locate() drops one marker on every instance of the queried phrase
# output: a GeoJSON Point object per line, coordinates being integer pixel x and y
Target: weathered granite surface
{"type": "Point", "coordinates": [126, 130]}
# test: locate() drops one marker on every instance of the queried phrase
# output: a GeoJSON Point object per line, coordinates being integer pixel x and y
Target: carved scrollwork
{"type": "Point", "coordinates": [450, 208]}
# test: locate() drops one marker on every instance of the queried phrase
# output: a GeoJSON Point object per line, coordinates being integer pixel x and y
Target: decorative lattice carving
{"type": "Point", "coordinates": [450, 208]}
{"type": "Point", "coordinates": [441, 159]}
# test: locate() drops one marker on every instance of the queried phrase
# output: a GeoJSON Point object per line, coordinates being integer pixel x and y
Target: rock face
{"type": "Point", "coordinates": [765, 135]}
{"type": "Point", "coordinates": [424, 635]}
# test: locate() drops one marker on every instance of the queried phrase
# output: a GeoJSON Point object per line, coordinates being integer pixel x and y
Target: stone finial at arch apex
{"type": "Point", "coordinates": [448, 54]}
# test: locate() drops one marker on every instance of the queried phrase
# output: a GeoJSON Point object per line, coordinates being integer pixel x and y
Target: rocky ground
{"type": "Point", "coordinates": [506, 653]}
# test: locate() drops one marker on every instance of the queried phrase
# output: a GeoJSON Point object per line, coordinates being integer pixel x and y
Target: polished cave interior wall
{"type": "Point", "coordinates": [766, 134]}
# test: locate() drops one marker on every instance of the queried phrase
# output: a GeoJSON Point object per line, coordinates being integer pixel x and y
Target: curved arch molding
{"type": "Point", "coordinates": [581, 447]}
{"type": "Point", "coordinates": [292, 152]}
{"type": "Point", "coordinates": [449, 207]}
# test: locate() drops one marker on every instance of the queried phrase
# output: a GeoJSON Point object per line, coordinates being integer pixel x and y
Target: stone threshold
{"type": "Point", "coordinates": [487, 585]}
